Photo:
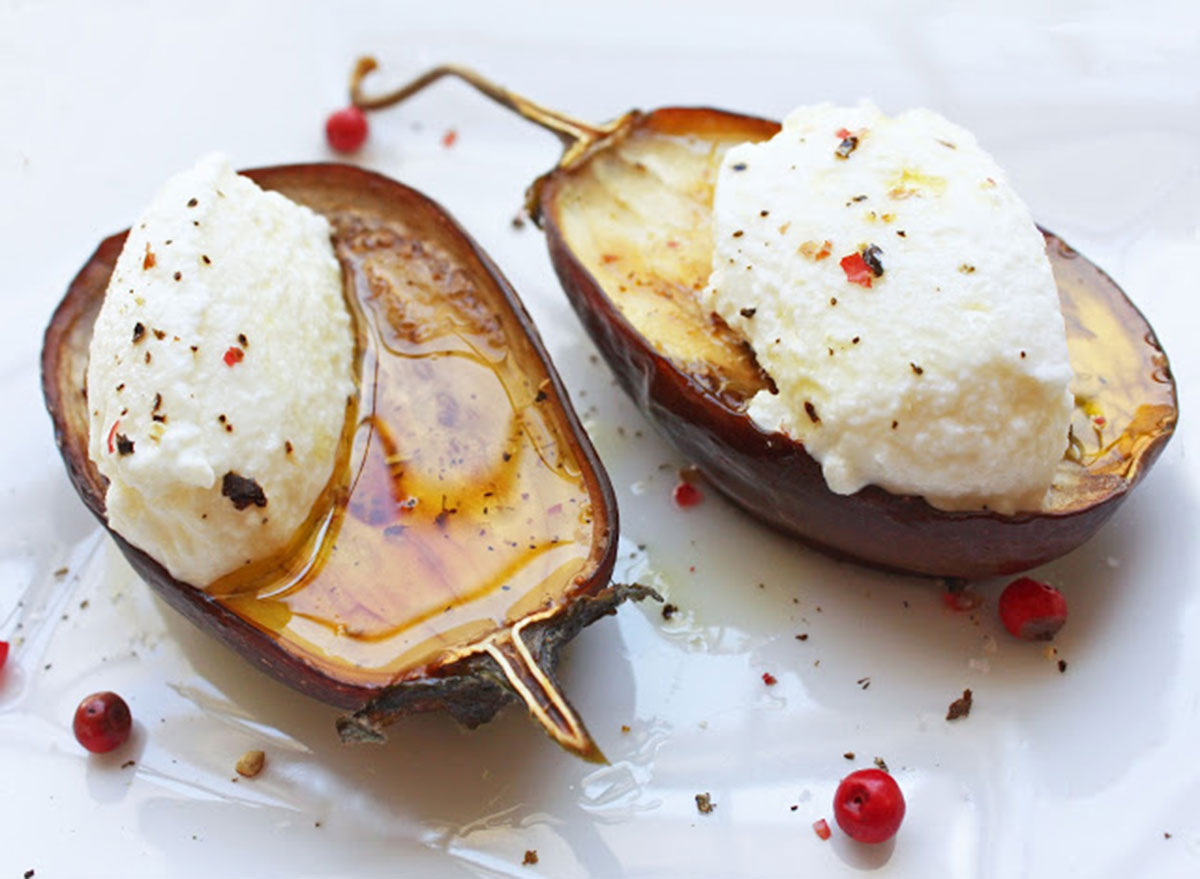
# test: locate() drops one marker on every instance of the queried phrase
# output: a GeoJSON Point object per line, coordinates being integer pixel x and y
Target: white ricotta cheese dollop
{"type": "Point", "coordinates": [219, 373]}
{"type": "Point", "coordinates": [898, 293]}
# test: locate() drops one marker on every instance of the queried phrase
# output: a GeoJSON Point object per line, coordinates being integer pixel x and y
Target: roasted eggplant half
{"type": "Point", "coordinates": [469, 529]}
{"type": "Point", "coordinates": [627, 217]}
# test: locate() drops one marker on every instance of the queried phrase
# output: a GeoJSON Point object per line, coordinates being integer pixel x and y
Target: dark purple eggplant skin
{"type": "Point", "coordinates": [470, 689]}
{"type": "Point", "coordinates": [773, 478]}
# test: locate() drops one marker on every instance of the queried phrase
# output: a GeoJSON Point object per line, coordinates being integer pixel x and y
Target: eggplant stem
{"type": "Point", "coordinates": [577, 137]}
{"type": "Point", "coordinates": [541, 695]}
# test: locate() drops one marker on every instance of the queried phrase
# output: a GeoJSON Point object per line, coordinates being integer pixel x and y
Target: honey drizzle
{"type": "Point", "coordinates": [430, 538]}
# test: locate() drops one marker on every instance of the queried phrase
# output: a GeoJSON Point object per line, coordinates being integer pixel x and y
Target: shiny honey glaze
{"type": "Point", "coordinates": [460, 504]}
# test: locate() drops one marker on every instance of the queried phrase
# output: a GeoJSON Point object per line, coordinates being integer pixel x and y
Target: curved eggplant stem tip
{"type": "Point", "coordinates": [541, 695]}
{"type": "Point", "coordinates": [577, 136]}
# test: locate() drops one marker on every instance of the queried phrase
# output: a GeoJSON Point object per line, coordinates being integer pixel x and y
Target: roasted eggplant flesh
{"type": "Point", "coordinates": [468, 504]}
{"type": "Point", "coordinates": [629, 231]}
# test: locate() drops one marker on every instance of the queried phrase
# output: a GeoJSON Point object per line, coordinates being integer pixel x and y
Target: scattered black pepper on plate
{"type": "Point", "coordinates": [960, 707]}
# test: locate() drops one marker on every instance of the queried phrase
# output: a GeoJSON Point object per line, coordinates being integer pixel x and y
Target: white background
{"type": "Point", "coordinates": [1095, 111]}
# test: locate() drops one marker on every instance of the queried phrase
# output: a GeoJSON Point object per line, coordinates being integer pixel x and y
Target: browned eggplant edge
{"type": "Point", "coordinates": [472, 689]}
{"type": "Point", "coordinates": [774, 478]}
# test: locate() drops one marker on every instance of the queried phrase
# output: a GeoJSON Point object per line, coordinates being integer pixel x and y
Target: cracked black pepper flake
{"type": "Point", "coordinates": [242, 491]}
{"type": "Point", "coordinates": [139, 330]}
{"type": "Point", "coordinates": [870, 256]}
{"type": "Point", "coordinates": [811, 411]}
{"type": "Point", "coordinates": [917, 369]}
{"type": "Point", "coordinates": [881, 764]}
{"type": "Point", "coordinates": [241, 337]}
{"type": "Point", "coordinates": [704, 803]}
{"type": "Point", "coordinates": [859, 198]}
{"type": "Point", "coordinates": [855, 340]}
{"type": "Point", "coordinates": [287, 446]}
{"type": "Point", "coordinates": [124, 445]}
{"type": "Point", "coordinates": [748, 312]}
{"type": "Point", "coordinates": [1062, 666]}
{"type": "Point", "coordinates": [669, 610]}
{"type": "Point", "coordinates": [192, 202]}
{"type": "Point", "coordinates": [738, 234]}
{"type": "Point", "coordinates": [178, 276]}
{"type": "Point", "coordinates": [764, 213]}
{"type": "Point", "coordinates": [740, 166]}
{"type": "Point", "coordinates": [846, 147]}
{"type": "Point", "coordinates": [960, 707]}
{"type": "Point", "coordinates": [204, 258]}
{"type": "Point", "coordinates": [901, 233]}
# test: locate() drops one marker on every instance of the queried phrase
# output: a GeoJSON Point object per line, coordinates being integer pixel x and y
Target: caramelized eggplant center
{"type": "Point", "coordinates": [463, 504]}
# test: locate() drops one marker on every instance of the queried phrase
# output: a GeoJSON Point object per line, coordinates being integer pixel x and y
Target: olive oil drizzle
{"type": "Point", "coordinates": [433, 528]}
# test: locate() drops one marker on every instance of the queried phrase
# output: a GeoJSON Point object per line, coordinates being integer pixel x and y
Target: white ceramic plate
{"type": "Point", "coordinates": [1090, 772]}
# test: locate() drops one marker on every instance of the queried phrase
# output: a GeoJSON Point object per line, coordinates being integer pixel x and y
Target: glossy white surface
{"type": "Point", "coordinates": [1094, 113]}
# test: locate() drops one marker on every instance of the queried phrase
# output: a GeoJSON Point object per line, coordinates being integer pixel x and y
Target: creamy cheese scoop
{"type": "Point", "coordinates": [898, 293]}
{"type": "Point", "coordinates": [219, 374]}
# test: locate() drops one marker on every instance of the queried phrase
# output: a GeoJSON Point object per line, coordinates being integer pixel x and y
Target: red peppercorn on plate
{"type": "Point", "coordinates": [729, 713]}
